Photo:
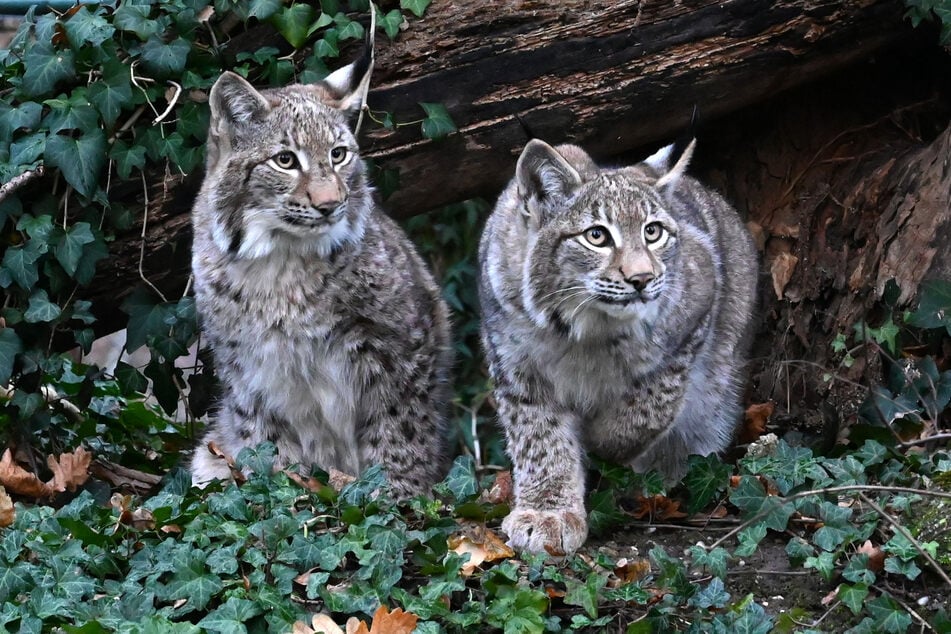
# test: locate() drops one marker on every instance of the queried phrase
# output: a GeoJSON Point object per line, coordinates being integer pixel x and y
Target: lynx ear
{"type": "Point", "coordinates": [234, 101]}
{"type": "Point", "coordinates": [670, 177]}
{"type": "Point", "coordinates": [544, 175]}
{"type": "Point", "coordinates": [347, 86]}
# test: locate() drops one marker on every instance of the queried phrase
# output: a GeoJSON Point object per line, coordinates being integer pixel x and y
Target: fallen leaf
{"type": "Point", "coordinates": [395, 622]}
{"type": "Point", "coordinates": [754, 424]}
{"type": "Point", "coordinates": [320, 623]}
{"type": "Point", "coordinates": [501, 490]}
{"type": "Point", "coordinates": [69, 471]}
{"type": "Point", "coordinates": [876, 556]}
{"type": "Point", "coordinates": [554, 593]}
{"type": "Point", "coordinates": [657, 507]}
{"type": "Point", "coordinates": [630, 570]}
{"type": "Point", "coordinates": [782, 269]}
{"type": "Point", "coordinates": [481, 543]}
{"type": "Point", "coordinates": [832, 596]}
{"type": "Point", "coordinates": [7, 511]}
{"type": "Point", "coordinates": [310, 483]}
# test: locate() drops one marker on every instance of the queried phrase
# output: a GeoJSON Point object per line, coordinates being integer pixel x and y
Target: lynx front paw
{"type": "Point", "coordinates": [557, 532]}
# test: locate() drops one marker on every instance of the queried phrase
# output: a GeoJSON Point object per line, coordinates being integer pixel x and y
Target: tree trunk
{"type": "Point", "coordinates": [611, 76]}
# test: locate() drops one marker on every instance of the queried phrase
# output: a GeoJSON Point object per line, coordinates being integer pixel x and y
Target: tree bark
{"type": "Point", "coordinates": [611, 76]}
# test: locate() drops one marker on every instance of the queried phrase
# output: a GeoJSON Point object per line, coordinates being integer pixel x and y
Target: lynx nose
{"type": "Point", "coordinates": [639, 281]}
{"type": "Point", "coordinates": [327, 208]}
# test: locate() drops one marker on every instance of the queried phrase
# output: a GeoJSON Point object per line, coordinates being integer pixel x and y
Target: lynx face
{"type": "Point", "coordinates": [287, 165]}
{"type": "Point", "coordinates": [613, 257]}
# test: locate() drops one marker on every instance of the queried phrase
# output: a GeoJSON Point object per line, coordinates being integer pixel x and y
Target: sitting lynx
{"type": "Point", "coordinates": [616, 308]}
{"type": "Point", "coordinates": [329, 335]}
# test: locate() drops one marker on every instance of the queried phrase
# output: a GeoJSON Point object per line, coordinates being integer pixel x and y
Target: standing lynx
{"type": "Point", "coordinates": [616, 308]}
{"type": "Point", "coordinates": [329, 335]}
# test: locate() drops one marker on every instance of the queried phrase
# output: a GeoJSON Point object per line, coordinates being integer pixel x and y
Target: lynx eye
{"type": "Point", "coordinates": [286, 160]}
{"type": "Point", "coordinates": [339, 154]}
{"type": "Point", "coordinates": [654, 232]}
{"type": "Point", "coordinates": [598, 236]}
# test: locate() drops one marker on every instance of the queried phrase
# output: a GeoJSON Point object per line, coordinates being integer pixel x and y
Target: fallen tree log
{"type": "Point", "coordinates": [612, 76]}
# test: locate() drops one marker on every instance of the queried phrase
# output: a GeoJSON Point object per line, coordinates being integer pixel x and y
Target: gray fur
{"type": "Point", "coordinates": [330, 337]}
{"type": "Point", "coordinates": [634, 351]}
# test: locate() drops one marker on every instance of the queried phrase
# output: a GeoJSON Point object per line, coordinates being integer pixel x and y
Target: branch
{"type": "Point", "coordinates": [20, 180]}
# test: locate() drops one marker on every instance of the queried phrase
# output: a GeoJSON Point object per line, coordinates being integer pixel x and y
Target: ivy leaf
{"type": "Point", "coordinates": [585, 595]}
{"type": "Point", "coordinates": [135, 18]}
{"type": "Point", "coordinates": [146, 317]}
{"type": "Point", "coordinates": [41, 309]}
{"type": "Point", "coordinates": [909, 569]}
{"type": "Point", "coordinates": [81, 160]}
{"type": "Point", "coordinates": [73, 113]}
{"type": "Point", "coordinates": [109, 98]}
{"type": "Point", "coordinates": [10, 347]}
{"type": "Point", "coordinates": [390, 22]}
{"type": "Point", "coordinates": [20, 263]}
{"type": "Point", "coordinates": [350, 30]}
{"type": "Point", "coordinates": [131, 381]}
{"type": "Point", "coordinates": [749, 539]}
{"type": "Point", "coordinates": [438, 123]}
{"type": "Point", "coordinates": [127, 157]}
{"type": "Point", "coordinates": [25, 115]}
{"type": "Point", "coordinates": [230, 616]}
{"type": "Point", "coordinates": [165, 59]}
{"type": "Point", "coordinates": [461, 480]}
{"type": "Point", "coordinates": [85, 26]}
{"type": "Point", "coordinates": [323, 20]}
{"type": "Point", "coordinates": [706, 476]}
{"type": "Point", "coordinates": [45, 67]}
{"type": "Point", "coordinates": [934, 305]}
{"type": "Point", "coordinates": [888, 614]}
{"type": "Point", "coordinates": [69, 248]}
{"type": "Point", "coordinates": [713, 595]}
{"type": "Point", "coordinates": [27, 150]}
{"type": "Point", "coordinates": [294, 22]}
{"type": "Point", "coordinates": [263, 9]}
{"type": "Point", "coordinates": [418, 7]}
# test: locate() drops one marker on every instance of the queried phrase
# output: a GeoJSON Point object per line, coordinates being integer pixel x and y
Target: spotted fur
{"type": "Point", "coordinates": [329, 335]}
{"type": "Point", "coordinates": [616, 310]}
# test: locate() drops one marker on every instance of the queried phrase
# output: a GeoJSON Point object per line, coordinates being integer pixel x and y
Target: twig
{"type": "Point", "coordinates": [20, 180]}
{"type": "Point", "coordinates": [912, 612]}
{"type": "Point", "coordinates": [839, 489]}
{"type": "Point", "coordinates": [904, 532]}
{"type": "Point", "coordinates": [371, 42]}
{"type": "Point", "coordinates": [821, 618]}
{"type": "Point", "coordinates": [171, 102]}
{"type": "Point", "coordinates": [924, 441]}
{"type": "Point", "coordinates": [145, 224]}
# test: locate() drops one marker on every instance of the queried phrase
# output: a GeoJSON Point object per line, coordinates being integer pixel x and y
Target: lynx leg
{"type": "Point", "coordinates": [547, 455]}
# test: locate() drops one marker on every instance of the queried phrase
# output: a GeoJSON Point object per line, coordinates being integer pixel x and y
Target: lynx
{"type": "Point", "coordinates": [329, 335]}
{"type": "Point", "coordinates": [616, 306]}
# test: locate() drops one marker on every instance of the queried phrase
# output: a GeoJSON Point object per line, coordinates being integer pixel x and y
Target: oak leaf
{"type": "Point", "coordinates": [754, 424]}
{"type": "Point", "coordinates": [384, 622]}
{"type": "Point", "coordinates": [481, 543]}
{"type": "Point", "coordinates": [501, 490]}
{"type": "Point", "coordinates": [70, 470]}
{"type": "Point", "coordinates": [657, 507]}
{"type": "Point", "coordinates": [7, 511]}
{"type": "Point", "coordinates": [782, 269]}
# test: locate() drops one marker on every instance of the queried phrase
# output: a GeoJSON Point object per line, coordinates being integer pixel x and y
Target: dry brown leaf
{"type": "Point", "coordinates": [631, 570]}
{"type": "Point", "coordinates": [395, 622]}
{"type": "Point", "coordinates": [320, 623]}
{"type": "Point", "coordinates": [311, 484]}
{"type": "Point", "coordinates": [754, 424]}
{"type": "Point", "coordinates": [782, 269]}
{"type": "Point", "coordinates": [501, 490]}
{"type": "Point", "coordinates": [7, 511]}
{"type": "Point", "coordinates": [16, 479]}
{"type": "Point", "coordinates": [554, 593]}
{"type": "Point", "coordinates": [657, 507]}
{"type": "Point", "coordinates": [876, 556]}
{"type": "Point", "coordinates": [481, 543]}
{"type": "Point", "coordinates": [832, 596]}
{"type": "Point", "coordinates": [356, 627]}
